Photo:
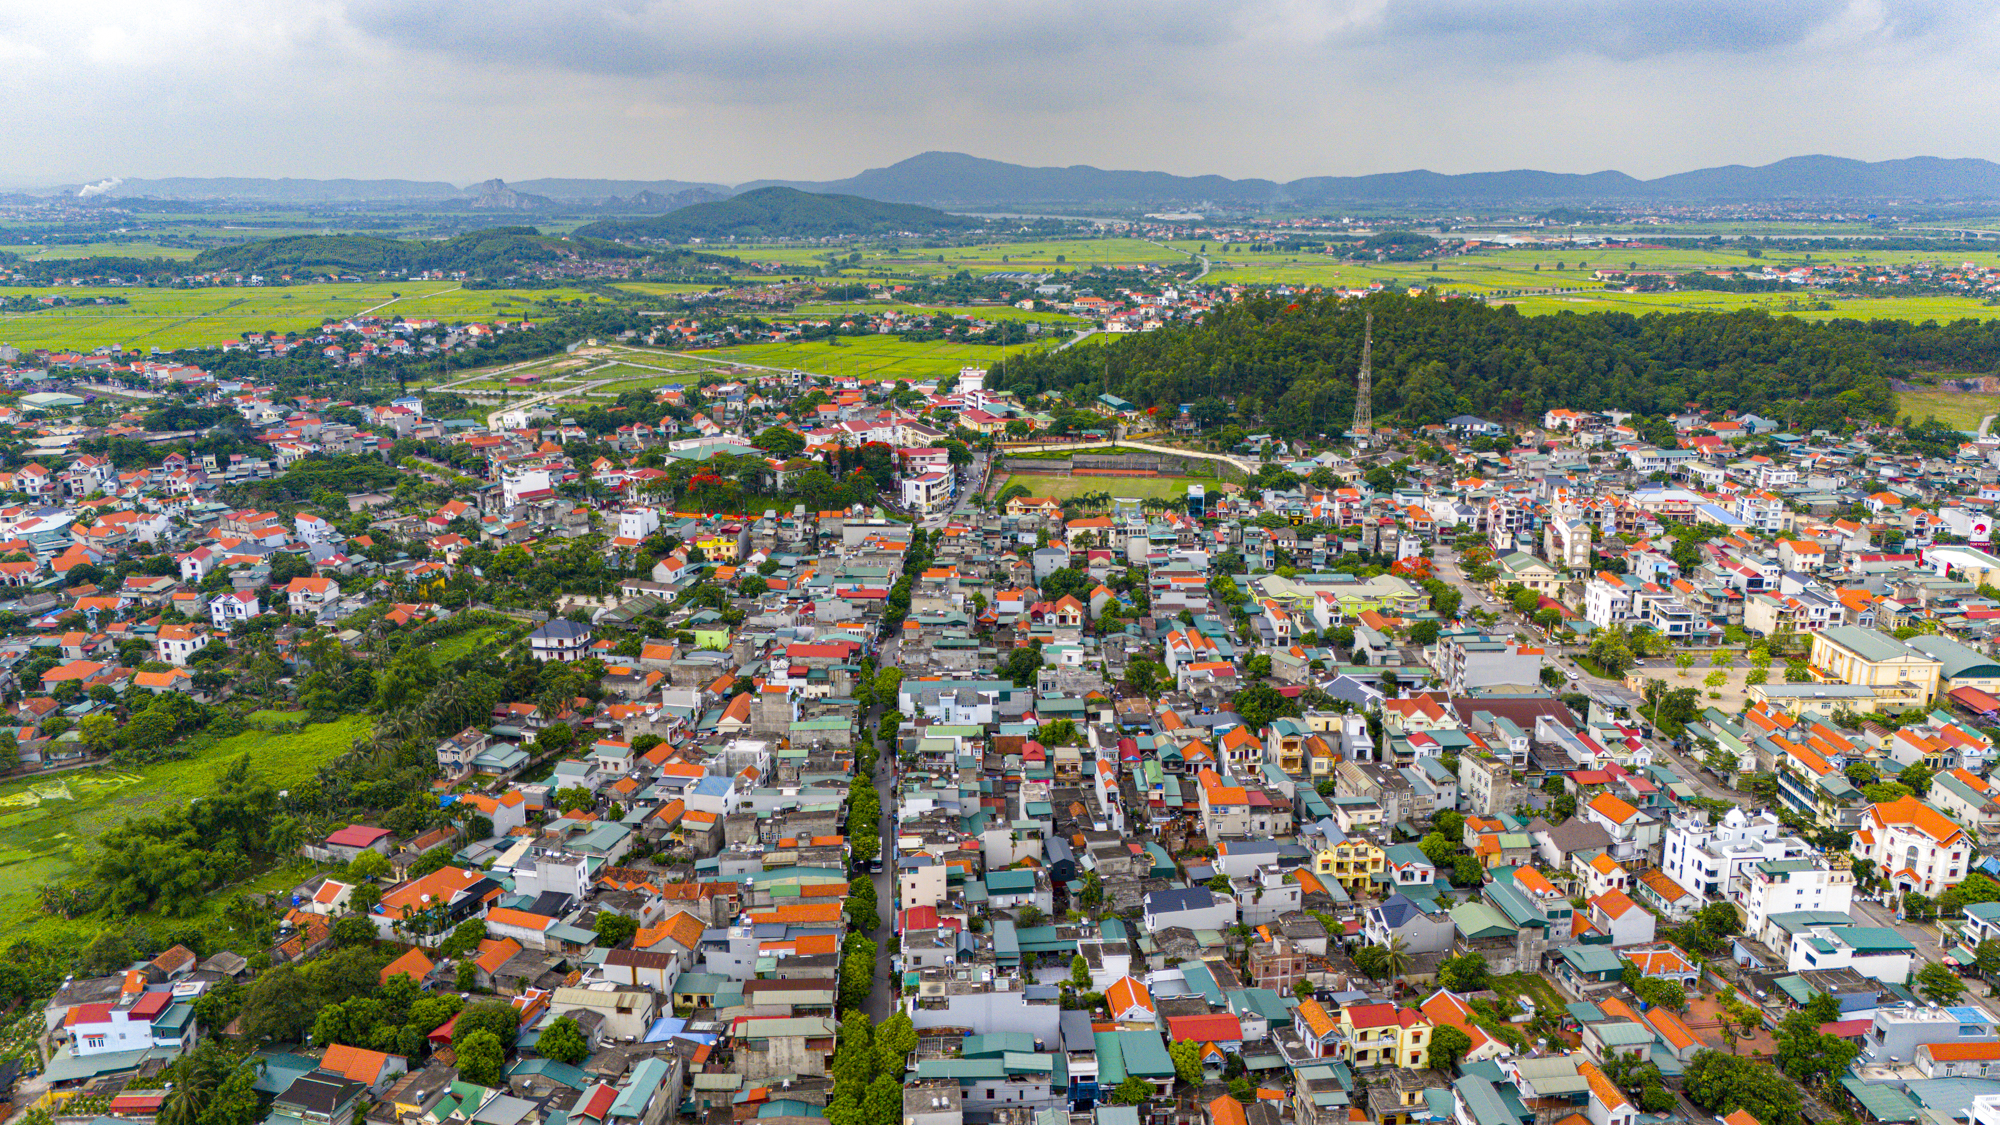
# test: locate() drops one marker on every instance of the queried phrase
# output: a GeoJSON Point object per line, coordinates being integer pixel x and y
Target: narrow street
{"type": "Point", "coordinates": [878, 1003]}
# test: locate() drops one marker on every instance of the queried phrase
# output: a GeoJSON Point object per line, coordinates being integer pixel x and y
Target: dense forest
{"type": "Point", "coordinates": [499, 250]}
{"type": "Point", "coordinates": [782, 212]}
{"type": "Point", "coordinates": [1290, 364]}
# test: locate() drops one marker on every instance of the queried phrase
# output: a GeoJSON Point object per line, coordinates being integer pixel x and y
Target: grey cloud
{"type": "Point", "coordinates": [1628, 30]}
{"type": "Point", "coordinates": [781, 44]}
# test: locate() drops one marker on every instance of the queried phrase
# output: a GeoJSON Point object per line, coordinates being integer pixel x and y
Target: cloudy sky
{"type": "Point", "coordinates": [731, 90]}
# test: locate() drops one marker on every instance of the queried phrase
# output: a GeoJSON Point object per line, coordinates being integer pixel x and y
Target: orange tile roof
{"type": "Point", "coordinates": [1612, 807]}
{"type": "Point", "coordinates": [1316, 1018]}
{"type": "Point", "coordinates": [1912, 813]}
{"type": "Point", "coordinates": [413, 964]}
{"type": "Point", "coordinates": [1602, 1089]}
{"type": "Point", "coordinates": [495, 952]}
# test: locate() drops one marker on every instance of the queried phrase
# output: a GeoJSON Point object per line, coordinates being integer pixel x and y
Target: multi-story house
{"type": "Point", "coordinates": [1913, 846]}
{"type": "Point", "coordinates": [1712, 859]}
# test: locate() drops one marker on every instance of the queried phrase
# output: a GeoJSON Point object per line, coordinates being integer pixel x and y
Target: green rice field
{"type": "Point", "coordinates": [179, 318]}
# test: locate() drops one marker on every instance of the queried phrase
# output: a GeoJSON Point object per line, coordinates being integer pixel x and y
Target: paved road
{"type": "Point", "coordinates": [1444, 562]}
{"type": "Point", "coordinates": [1192, 256]}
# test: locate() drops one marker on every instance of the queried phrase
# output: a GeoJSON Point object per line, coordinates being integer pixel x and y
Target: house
{"type": "Point", "coordinates": [312, 597]}
{"type": "Point", "coordinates": [560, 639]}
{"type": "Point", "coordinates": [1613, 912]}
{"type": "Point", "coordinates": [1913, 846]}
{"type": "Point", "coordinates": [1195, 908]}
{"type": "Point", "coordinates": [174, 644]}
{"type": "Point", "coordinates": [230, 608]}
{"type": "Point", "coordinates": [1388, 1035]}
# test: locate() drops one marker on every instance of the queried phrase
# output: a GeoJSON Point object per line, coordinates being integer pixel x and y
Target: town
{"type": "Point", "coordinates": [770, 745]}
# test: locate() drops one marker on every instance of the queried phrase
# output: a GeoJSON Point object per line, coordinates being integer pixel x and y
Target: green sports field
{"type": "Point", "coordinates": [1137, 488]}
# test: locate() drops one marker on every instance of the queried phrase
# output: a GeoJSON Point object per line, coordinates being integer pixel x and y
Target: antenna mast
{"type": "Point", "coordinates": [1364, 414]}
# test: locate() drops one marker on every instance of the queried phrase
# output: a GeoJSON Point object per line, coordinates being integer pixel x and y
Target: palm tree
{"type": "Point", "coordinates": [1398, 959]}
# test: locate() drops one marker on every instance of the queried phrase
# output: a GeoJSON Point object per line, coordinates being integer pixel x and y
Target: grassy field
{"type": "Point", "coordinates": [1956, 409]}
{"type": "Point", "coordinates": [869, 358]}
{"type": "Point", "coordinates": [1136, 488]}
{"type": "Point", "coordinates": [470, 641]}
{"type": "Point", "coordinates": [46, 826]}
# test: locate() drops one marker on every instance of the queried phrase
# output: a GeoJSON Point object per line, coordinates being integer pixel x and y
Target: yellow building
{"type": "Point", "coordinates": [718, 548]}
{"type": "Point", "coordinates": [1353, 862]}
{"type": "Point", "coordinates": [1386, 1035]}
{"type": "Point", "coordinates": [1900, 676]}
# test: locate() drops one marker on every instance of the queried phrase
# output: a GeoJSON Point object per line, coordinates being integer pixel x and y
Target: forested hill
{"type": "Point", "coordinates": [499, 250]}
{"type": "Point", "coordinates": [1291, 363]}
{"type": "Point", "coordinates": [782, 212]}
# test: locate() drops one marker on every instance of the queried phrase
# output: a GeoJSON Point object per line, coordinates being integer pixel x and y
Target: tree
{"type": "Point", "coordinates": [1683, 662]}
{"type": "Point", "coordinates": [370, 864]}
{"type": "Point", "coordinates": [1662, 994]}
{"type": "Point", "coordinates": [884, 1103]}
{"type": "Point", "coordinates": [614, 929]}
{"type": "Point", "coordinates": [575, 799]}
{"type": "Point", "coordinates": [1611, 651]}
{"type": "Point", "coordinates": [1448, 1046]}
{"type": "Point", "coordinates": [1986, 956]}
{"type": "Point", "coordinates": [1372, 960]}
{"type": "Point", "coordinates": [481, 1059]}
{"type": "Point", "coordinates": [894, 1041]}
{"type": "Point", "coordinates": [563, 1042]}
{"type": "Point", "coordinates": [1723, 1084]}
{"type": "Point", "coordinates": [1079, 973]}
{"type": "Point", "coordinates": [1186, 1054]}
{"type": "Point", "coordinates": [1439, 849]}
{"type": "Point", "coordinates": [1938, 983]}
{"type": "Point", "coordinates": [353, 929]}
{"type": "Point", "coordinates": [854, 1060]}
{"type": "Point", "coordinates": [1424, 633]}
{"type": "Point", "coordinates": [1132, 1091]}
{"type": "Point", "coordinates": [497, 1017]}
{"type": "Point", "coordinates": [1917, 778]}
{"type": "Point", "coordinates": [1463, 974]}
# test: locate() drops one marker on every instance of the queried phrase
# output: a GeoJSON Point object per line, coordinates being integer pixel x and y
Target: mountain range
{"type": "Point", "coordinates": [956, 180]}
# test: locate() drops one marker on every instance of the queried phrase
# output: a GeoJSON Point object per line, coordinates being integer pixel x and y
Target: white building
{"type": "Point", "coordinates": [1913, 846]}
{"type": "Point", "coordinates": [637, 523]}
{"type": "Point", "coordinates": [1782, 886]}
{"type": "Point", "coordinates": [1711, 859]}
{"type": "Point", "coordinates": [1876, 952]}
{"type": "Point", "coordinates": [927, 494]}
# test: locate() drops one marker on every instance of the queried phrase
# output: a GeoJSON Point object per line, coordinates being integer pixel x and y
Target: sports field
{"type": "Point", "coordinates": [46, 826]}
{"type": "Point", "coordinates": [1136, 488]}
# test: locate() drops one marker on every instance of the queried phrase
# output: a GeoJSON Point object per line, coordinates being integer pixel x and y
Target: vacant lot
{"type": "Point", "coordinates": [47, 825]}
{"type": "Point", "coordinates": [1956, 409]}
{"type": "Point", "coordinates": [869, 357]}
{"type": "Point", "coordinates": [1137, 488]}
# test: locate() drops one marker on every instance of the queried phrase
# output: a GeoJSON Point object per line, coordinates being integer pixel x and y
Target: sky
{"type": "Point", "coordinates": [733, 90]}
